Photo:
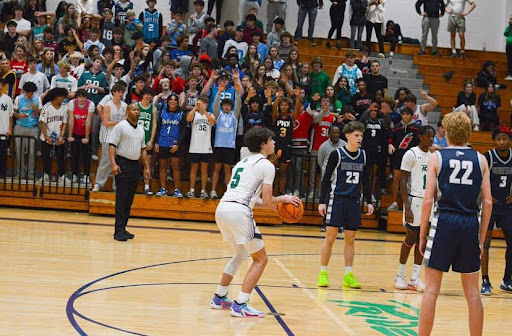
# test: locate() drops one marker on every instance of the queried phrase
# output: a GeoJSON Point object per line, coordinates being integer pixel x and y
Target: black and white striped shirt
{"type": "Point", "coordinates": [128, 140]}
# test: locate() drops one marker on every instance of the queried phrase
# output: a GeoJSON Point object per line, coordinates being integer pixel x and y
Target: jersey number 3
{"type": "Point", "coordinates": [457, 165]}
{"type": "Point", "coordinates": [236, 178]}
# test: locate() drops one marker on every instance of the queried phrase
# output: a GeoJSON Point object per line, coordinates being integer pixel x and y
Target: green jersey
{"type": "Point", "coordinates": [98, 79]}
{"type": "Point", "coordinates": [146, 120]}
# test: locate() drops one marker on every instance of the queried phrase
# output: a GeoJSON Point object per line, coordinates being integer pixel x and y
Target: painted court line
{"type": "Point", "coordinates": [272, 310]}
{"type": "Point", "coordinates": [308, 292]}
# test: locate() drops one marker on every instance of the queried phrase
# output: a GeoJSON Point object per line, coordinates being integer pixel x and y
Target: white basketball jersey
{"type": "Point", "coordinates": [247, 178]}
{"type": "Point", "coordinates": [201, 138]}
{"type": "Point", "coordinates": [116, 114]}
{"type": "Point", "coordinates": [415, 161]}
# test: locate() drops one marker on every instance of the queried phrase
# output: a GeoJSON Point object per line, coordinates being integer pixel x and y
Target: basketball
{"type": "Point", "coordinates": [290, 213]}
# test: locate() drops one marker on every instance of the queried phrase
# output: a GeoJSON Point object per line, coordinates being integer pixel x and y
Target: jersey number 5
{"type": "Point", "coordinates": [456, 165]}
{"type": "Point", "coordinates": [236, 178]}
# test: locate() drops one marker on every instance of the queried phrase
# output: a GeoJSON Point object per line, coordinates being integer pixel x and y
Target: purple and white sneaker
{"type": "Point", "coordinates": [244, 310]}
{"type": "Point", "coordinates": [220, 302]}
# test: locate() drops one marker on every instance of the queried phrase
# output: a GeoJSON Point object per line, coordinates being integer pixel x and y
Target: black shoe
{"type": "Point", "coordinates": [462, 55]}
{"type": "Point", "coordinates": [338, 45]}
{"type": "Point", "coordinates": [328, 45]}
{"type": "Point", "coordinates": [128, 234]}
{"type": "Point", "coordinates": [422, 52]}
{"type": "Point", "coordinates": [435, 53]}
{"type": "Point", "coordinates": [120, 236]}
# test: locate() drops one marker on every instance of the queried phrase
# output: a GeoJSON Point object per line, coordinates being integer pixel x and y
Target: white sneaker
{"type": "Point", "coordinates": [416, 285]}
{"type": "Point", "coordinates": [45, 178]}
{"type": "Point", "coordinates": [400, 282]}
{"type": "Point", "coordinates": [476, 128]}
{"type": "Point", "coordinates": [63, 179]}
{"type": "Point", "coordinates": [213, 195]}
{"type": "Point", "coordinates": [509, 77]}
{"type": "Point", "coordinates": [75, 179]}
{"type": "Point", "coordinates": [96, 188]}
{"type": "Point", "coordinates": [94, 157]}
{"type": "Point", "coordinates": [393, 206]}
{"type": "Point", "coordinates": [296, 193]}
{"type": "Point", "coordinates": [85, 179]}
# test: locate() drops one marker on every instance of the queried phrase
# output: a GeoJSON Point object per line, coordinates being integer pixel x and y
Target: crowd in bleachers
{"type": "Point", "coordinates": [68, 74]}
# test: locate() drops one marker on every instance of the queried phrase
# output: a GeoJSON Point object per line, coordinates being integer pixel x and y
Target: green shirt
{"type": "Point", "coordinates": [319, 82]}
{"type": "Point", "coordinates": [146, 121]}
{"type": "Point", "coordinates": [508, 34]}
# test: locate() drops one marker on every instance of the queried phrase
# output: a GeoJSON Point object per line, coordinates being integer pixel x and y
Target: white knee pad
{"type": "Point", "coordinates": [238, 258]}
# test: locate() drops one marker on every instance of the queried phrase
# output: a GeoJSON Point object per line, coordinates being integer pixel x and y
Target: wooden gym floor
{"type": "Point", "coordinates": [63, 274]}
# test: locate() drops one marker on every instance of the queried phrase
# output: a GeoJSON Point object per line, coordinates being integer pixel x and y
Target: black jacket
{"type": "Point", "coordinates": [434, 8]}
{"type": "Point", "coordinates": [358, 8]}
{"type": "Point", "coordinates": [310, 4]}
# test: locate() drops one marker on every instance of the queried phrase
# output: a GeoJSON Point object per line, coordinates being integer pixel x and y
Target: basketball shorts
{"type": "Point", "coordinates": [200, 157]}
{"type": "Point", "coordinates": [416, 203]}
{"type": "Point", "coordinates": [344, 212]}
{"type": "Point", "coordinates": [453, 241]}
{"type": "Point", "coordinates": [501, 217]}
{"type": "Point", "coordinates": [164, 153]}
{"type": "Point", "coordinates": [224, 155]}
{"type": "Point", "coordinates": [236, 224]}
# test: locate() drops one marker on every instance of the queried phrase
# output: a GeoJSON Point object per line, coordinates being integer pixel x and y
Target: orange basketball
{"type": "Point", "coordinates": [290, 213]}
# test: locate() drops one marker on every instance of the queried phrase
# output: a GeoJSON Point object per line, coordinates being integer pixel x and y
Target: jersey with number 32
{"type": "Point", "coordinates": [247, 178]}
{"type": "Point", "coordinates": [459, 179]}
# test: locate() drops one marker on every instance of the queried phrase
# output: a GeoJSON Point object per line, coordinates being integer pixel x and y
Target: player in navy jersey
{"type": "Point", "coordinates": [339, 200]}
{"type": "Point", "coordinates": [456, 238]}
{"type": "Point", "coordinates": [283, 119]}
{"type": "Point", "coordinates": [500, 165]}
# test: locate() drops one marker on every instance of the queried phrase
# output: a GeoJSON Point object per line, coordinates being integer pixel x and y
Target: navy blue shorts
{"type": "Point", "coordinates": [501, 217]}
{"type": "Point", "coordinates": [344, 213]}
{"type": "Point", "coordinates": [453, 241]}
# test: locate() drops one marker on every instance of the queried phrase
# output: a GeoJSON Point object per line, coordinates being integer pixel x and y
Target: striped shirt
{"type": "Point", "coordinates": [128, 140]}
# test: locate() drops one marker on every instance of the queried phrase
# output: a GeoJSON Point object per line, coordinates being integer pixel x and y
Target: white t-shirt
{"type": "Point", "coordinates": [6, 112]}
{"type": "Point", "coordinates": [22, 25]}
{"type": "Point", "coordinates": [415, 162]}
{"type": "Point", "coordinates": [53, 118]}
{"type": "Point", "coordinates": [200, 140]}
{"type": "Point", "coordinates": [458, 5]}
{"type": "Point", "coordinates": [125, 78]}
{"type": "Point", "coordinates": [39, 79]}
{"type": "Point", "coordinates": [420, 115]}
{"type": "Point", "coordinates": [247, 178]}
{"type": "Point", "coordinates": [86, 6]}
{"type": "Point", "coordinates": [241, 48]}
{"type": "Point", "coordinates": [69, 83]}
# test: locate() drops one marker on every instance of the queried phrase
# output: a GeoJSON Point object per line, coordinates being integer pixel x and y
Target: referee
{"type": "Point", "coordinates": [126, 148]}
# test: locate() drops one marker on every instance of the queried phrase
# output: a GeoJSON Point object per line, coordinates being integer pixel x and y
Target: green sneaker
{"type": "Point", "coordinates": [349, 280]}
{"type": "Point", "coordinates": [323, 279]}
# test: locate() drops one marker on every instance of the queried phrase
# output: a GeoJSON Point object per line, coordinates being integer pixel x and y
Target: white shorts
{"type": "Point", "coordinates": [236, 223]}
{"type": "Point", "coordinates": [415, 203]}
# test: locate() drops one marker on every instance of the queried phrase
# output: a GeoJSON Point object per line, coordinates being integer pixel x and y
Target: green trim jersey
{"type": "Point", "coordinates": [146, 121]}
{"type": "Point", "coordinates": [98, 79]}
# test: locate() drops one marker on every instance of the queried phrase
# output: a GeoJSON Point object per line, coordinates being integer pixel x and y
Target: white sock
{"type": "Point", "coordinates": [222, 290]}
{"type": "Point", "coordinates": [454, 51]}
{"type": "Point", "coordinates": [192, 189]}
{"type": "Point", "coordinates": [323, 268]}
{"type": "Point", "coordinates": [348, 269]}
{"type": "Point", "coordinates": [243, 297]}
{"type": "Point", "coordinates": [146, 186]}
{"type": "Point", "coordinates": [391, 53]}
{"type": "Point", "coordinates": [401, 270]}
{"type": "Point", "coordinates": [416, 271]}
{"type": "Point", "coordinates": [203, 191]}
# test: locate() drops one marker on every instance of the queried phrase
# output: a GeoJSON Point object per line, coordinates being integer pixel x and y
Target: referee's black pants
{"type": "Point", "coordinates": [126, 184]}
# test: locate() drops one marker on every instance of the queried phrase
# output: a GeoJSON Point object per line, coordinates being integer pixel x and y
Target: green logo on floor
{"type": "Point", "coordinates": [396, 318]}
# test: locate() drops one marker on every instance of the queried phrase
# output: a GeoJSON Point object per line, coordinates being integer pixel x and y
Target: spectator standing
{"type": "Point", "coordinates": [275, 8]}
{"type": "Point", "coordinates": [218, 11]}
{"type": "Point", "coordinates": [27, 108]}
{"type": "Point", "coordinates": [320, 80]}
{"type": "Point", "coordinates": [420, 111]}
{"type": "Point", "coordinates": [9, 86]}
{"type": "Point", "coordinates": [432, 11]}
{"type": "Point", "coordinates": [176, 28]}
{"type": "Point", "coordinates": [147, 120]}
{"type": "Point", "coordinates": [251, 28]}
{"type": "Point", "coordinates": [238, 42]}
{"type": "Point", "coordinates": [209, 44]}
{"type": "Point", "coordinates": [10, 37]}
{"type": "Point", "coordinates": [6, 114]}
{"type": "Point", "coordinates": [337, 15]}
{"type": "Point", "coordinates": [228, 34]}
{"type": "Point", "coordinates": [196, 20]}
{"type": "Point", "coordinates": [457, 23]}
{"type": "Point", "coordinates": [245, 7]}
{"type": "Point", "coordinates": [440, 137]}
{"type": "Point", "coordinates": [120, 8]}
{"type": "Point", "coordinates": [375, 81]}
{"type": "Point", "coordinates": [508, 34]}
{"type": "Point", "coordinates": [274, 37]}
{"type": "Point", "coordinates": [286, 46]}
{"type": "Point", "coordinates": [132, 29]}
{"type": "Point", "coordinates": [309, 8]}
{"type": "Point", "coordinates": [375, 20]}
{"type": "Point", "coordinates": [36, 77]}
{"type": "Point", "coordinates": [349, 70]}
{"type": "Point", "coordinates": [362, 99]}
{"type": "Point", "coordinates": [23, 26]}
{"type": "Point", "coordinates": [357, 21]}
{"type": "Point", "coordinates": [153, 26]}
{"type": "Point", "coordinates": [126, 148]}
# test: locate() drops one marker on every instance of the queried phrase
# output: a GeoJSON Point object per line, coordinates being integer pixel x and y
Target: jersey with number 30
{"type": "Point", "coordinates": [459, 179]}
{"type": "Point", "coordinates": [322, 131]}
{"type": "Point", "coordinates": [415, 162]}
{"type": "Point", "coordinates": [247, 178]}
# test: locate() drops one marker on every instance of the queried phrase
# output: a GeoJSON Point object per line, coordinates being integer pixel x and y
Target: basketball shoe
{"type": "Point", "coordinates": [486, 287]}
{"type": "Point", "coordinates": [219, 302]}
{"type": "Point", "coordinates": [244, 310]}
{"type": "Point", "coordinates": [506, 286]}
{"type": "Point", "coordinates": [416, 285]}
{"type": "Point", "coordinates": [400, 282]}
{"type": "Point", "coordinates": [349, 280]}
{"type": "Point", "coordinates": [323, 279]}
